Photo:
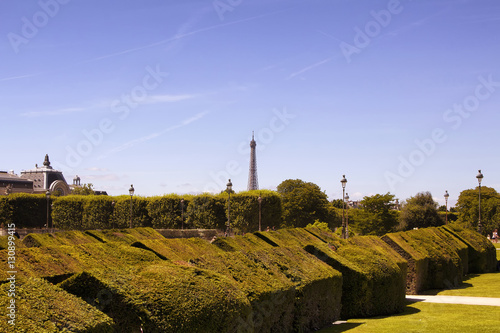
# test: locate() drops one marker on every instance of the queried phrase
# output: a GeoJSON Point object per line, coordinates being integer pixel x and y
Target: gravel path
{"type": "Point", "coordinates": [491, 301]}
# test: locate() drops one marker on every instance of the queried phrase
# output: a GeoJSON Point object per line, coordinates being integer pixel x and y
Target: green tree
{"type": "Point", "coordinates": [419, 211]}
{"type": "Point", "coordinates": [337, 203]}
{"type": "Point", "coordinates": [85, 189]}
{"type": "Point", "coordinates": [468, 209]}
{"type": "Point", "coordinates": [303, 203]}
{"type": "Point", "coordinates": [376, 216]}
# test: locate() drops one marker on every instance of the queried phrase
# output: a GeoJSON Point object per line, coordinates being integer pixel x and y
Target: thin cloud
{"type": "Point", "coordinates": [181, 35]}
{"type": "Point", "coordinates": [156, 99]}
{"type": "Point", "coordinates": [97, 169]}
{"type": "Point", "coordinates": [308, 68]}
{"type": "Point", "coordinates": [19, 77]}
{"type": "Point", "coordinates": [152, 136]}
{"type": "Point", "coordinates": [109, 177]}
{"type": "Point", "coordinates": [58, 112]}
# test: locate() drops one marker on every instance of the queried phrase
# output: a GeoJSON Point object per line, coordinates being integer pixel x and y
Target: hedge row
{"type": "Point", "coordinates": [203, 211]}
{"type": "Point", "coordinates": [290, 280]}
{"type": "Point", "coordinates": [164, 298]}
{"type": "Point", "coordinates": [24, 210]}
{"type": "Point", "coordinates": [44, 308]}
{"type": "Point", "coordinates": [440, 257]}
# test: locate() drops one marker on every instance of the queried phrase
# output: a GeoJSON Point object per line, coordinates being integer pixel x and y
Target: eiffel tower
{"type": "Point", "coordinates": [253, 181]}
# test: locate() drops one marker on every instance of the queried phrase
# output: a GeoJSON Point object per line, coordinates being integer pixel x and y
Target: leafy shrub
{"type": "Point", "coordinates": [44, 308]}
{"type": "Point", "coordinates": [372, 283]}
{"type": "Point", "coordinates": [97, 212]}
{"type": "Point", "coordinates": [125, 208]}
{"type": "Point", "coordinates": [166, 211]}
{"type": "Point", "coordinates": [207, 211]}
{"type": "Point", "coordinates": [481, 252]}
{"type": "Point", "coordinates": [165, 298]}
{"type": "Point", "coordinates": [433, 264]}
{"type": "Point", "coordinates": [24, 210]}
{"type": "Point", "coordinates": [67, 213]}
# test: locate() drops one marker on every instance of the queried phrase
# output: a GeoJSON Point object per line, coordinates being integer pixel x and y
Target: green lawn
{"type": "Point", "coordinates": [483, 285]}
{"type": "Point", "coordinates": [430, 317]}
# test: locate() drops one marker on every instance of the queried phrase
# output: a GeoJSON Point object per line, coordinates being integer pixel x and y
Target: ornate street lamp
{"type": "Point", "coordinates": [182, 213]}
{"type": "Point", "coordinates": [131, 191]}
{"type": "Point", "coordinates": [479, 180]}
{"type": "Point", "coordinates": [446, 196]}
{"type": "Point", "coordinates": [344, 227]}
{"type": "Point", "coordinates": [229, 188]}
{"type": "Point", "coordinates": [47, 196]}
{"type": "Point", "coordinates": [260, 212]}
{"type": "Point", "coordinates": [347, 215]}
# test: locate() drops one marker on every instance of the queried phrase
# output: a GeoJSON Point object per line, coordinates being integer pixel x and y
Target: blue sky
{"type": "Point", "coordinates": [400, 96]}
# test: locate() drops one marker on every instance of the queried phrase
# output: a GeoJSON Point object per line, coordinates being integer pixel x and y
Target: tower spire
{"type": "Point", "coordinates": [253, 181]}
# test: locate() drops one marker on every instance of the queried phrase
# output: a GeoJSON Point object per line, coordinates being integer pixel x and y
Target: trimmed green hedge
{"type": "Point", "coordinates": [248, 242]}
{"type": "Point", "coordinates": [270, 293]}
{"type": "Point", "coordinates": [127, 236]}
{"type": "Point", "coordinates": [318, 286]}
{"type": "Point", "coordinates": [59, 261]}
{"type": "Point", "coordinates": [164, 298]}
{"type": "Point", "coordinates": [207, 211]}
{"type": "Point", "coordinates": [481, 252]}
{"type": "Point", "coordinates": [433, 262]}
{"type": "Point", "coordinates": [261, 282]}
{"type": "Point", "coordinates": [82, 212]}
{"type": "Point", "coordinates": [166, 211]}
{"type": "Point", "coordinates": [24, 210]}
{"type": "Point", "coordinates": [373, 284]}
{"type": "Point", "coordinates": [42, 307]}
{"type": "Point", "coordinates": [178, 250]}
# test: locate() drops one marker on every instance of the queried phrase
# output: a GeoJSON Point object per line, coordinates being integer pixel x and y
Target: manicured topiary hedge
{"type": "Point", "coordinates": [205, 211]}
{"type": "Point", "coordinates": [54, 262]}
{"type": "Point", "coordinates": [481, 252]}
{"type": "Point", "coordinates": [164, 298]}
{"type": "Point", "coordinates": [290, 280]}
{"type": "Point", "coordinates": [289, 237]}
{"type": "Point", "coordinates": [178, 250]}
{"type": "Point", "coordinates": [166, 211]}
{"type": "Point", "coordinates": [318, 286]}
{"type": "Point", "coordinates": [270, 293]}
{"type": "Point", "coordinates": [24, 210]}
{"type": "Point", "coordinates": [372, 283]}
{"type": "Point", "coordinates": [433, 262]}
{"type": "Point", "coordinates": [248, 242]}
{"type": "Point", "coordinates": [127, 236]}
{"type": "Point", "coordinates": [44, 308]}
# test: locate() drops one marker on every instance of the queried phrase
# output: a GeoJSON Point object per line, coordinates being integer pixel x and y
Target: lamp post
{"type": "Point", "coordinates": [446, 196]}
{"type": "Point", "coordinates": [343, 182]}
{"type": "Point", "coordinates": [479, 224]}
{"type": "Point", "coordinates": [229, 188]}
{"type": "Point", "coordinates": [260, 212]}
{"type": "Point", "coordinates": [131, 191]}
{"type": "Point", "coordinates": [47, 195]}
{"type": "Point", "coordinates": [182, 213]}
{"type": "Point", "coordinates": [347, 215]}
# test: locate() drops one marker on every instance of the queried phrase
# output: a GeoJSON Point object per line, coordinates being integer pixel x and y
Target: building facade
{"type": "Point", "coordinates": [37, 180]}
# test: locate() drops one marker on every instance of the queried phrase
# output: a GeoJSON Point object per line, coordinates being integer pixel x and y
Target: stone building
{"type": "Point", "coordinates": [37, 180]}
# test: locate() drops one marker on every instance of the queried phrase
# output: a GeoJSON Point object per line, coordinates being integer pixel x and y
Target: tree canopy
{"type": "Point", "coordinates": [468, 208]}
{"type": "Point", "coordinates": [376, 216]}
{"type": "Point", "coordinates": [419, 211]}
{"type": "Point", "coordinates": [303, 203]}
{"type": "Point", "coordinates": [85, 189]}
